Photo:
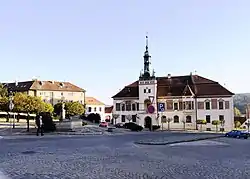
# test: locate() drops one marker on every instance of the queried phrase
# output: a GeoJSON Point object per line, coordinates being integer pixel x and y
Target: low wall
{"type": "Point", "coordinates": [69, 125]}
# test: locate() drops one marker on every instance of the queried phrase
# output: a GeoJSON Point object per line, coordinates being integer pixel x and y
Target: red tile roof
{"type": "Point", "coordinates": [43, 85]}
{"type": "Point", "coordinates": [109, 109]}
{"type": "Point", "coordinates": [179, 86]}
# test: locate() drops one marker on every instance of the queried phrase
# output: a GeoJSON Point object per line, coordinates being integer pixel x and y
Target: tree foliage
{"type": "Point", "coordinates": [3, 91]}
{"type": "Point", "coordinates": [237, 112]}
{"type": "Point", "coordinates": [74, 108]}
{"type": "Point", "coordinates": [48, 108]}
{"type": "Point", "coordinates": [58, 108]}
{"type": "Point", "coordinates": [24, 103]}
{"type": "Point", "coordinates": [216, 123]}
{"type": "Point", "coordinates": [237, 124]}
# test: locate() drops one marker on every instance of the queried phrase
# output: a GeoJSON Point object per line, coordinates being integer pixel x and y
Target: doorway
{"type": "Point", "coordinates": [147, 122]}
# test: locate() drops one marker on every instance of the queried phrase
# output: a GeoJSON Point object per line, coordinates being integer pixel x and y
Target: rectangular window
{"type": "Point", "coordinates": [128, 106]}
{"type": "Point", "coordinates": [145, 90]}
{"type": "Point", "coordinates": [221, 105]}
{"type": "Point", "coordinates": [137, 106]}
{"type": "Point", "coordinates": [221, 117]}
{"type": "Point", "coordinates": [208, 119]}
{"type": "Point", "coordinates": [149, 90]}
{"type": "Point", "coordinates": [89, 109]}
{"type": "Point", "coordinates": [133, 107]}
{"type": "Point", "coordinates": [207, 105]}
{"type": "Point", "coordinates": [117, 106]}
{"type": "Point", "coordinates": [123, 107]}
{"type": "Point", "coordinates": [95, 109]}
{"type": "Point", "coordinates": [175, 106]}
{"type": "Point", "coordinates": [123, 118]}
{"type": "Point", "coordinates": [100, 109]}
{"type": "Point", "coordinates": [133, 118]}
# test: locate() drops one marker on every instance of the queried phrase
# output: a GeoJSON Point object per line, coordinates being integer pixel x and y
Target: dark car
{"type": "Point", "coordinates": [237, 134]}
{"type": "Point", "coordinates": [119, 125]}
{"type": "Point", "coordinates": [133, 127]}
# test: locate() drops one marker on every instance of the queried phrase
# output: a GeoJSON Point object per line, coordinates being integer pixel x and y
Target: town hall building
{"type": "Point", "coordinates": [176, 102]}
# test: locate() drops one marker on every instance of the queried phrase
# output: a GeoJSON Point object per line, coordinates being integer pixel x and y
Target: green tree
{"type": "Point", "coordinates": [3, 90]}
{"type": "Point", "coordinates": [47, 107]}
{"type": "Point", "coordinates": [216, 123]}
{"type": "Point", "coordinates": [201, 122]}
{"type": "Point", "coordinates": [237, 112]}
{"type": "Point", "coordinates": [58, 108]}
{"type": "Point", "coordinates": [237, 124]}
{"type": "Point", "coordinates": [4, 104]}
{"type": "Point", "coordinates": [74, 108]}
{"type": "Point", "coordinates": [27, 104]}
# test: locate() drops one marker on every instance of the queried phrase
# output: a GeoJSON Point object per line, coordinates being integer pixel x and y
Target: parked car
{"type": "Point", "coordinates": [103, 124]}
{"type": "Point", "coordinates": [119, 125]}
{"type": "Point", "coordinates": [237, 134]}
{"type": "Point", "coordinates": [133, 127]}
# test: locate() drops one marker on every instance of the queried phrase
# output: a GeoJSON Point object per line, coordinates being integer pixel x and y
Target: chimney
{"type": "Point", "coordinates": [16, 83]}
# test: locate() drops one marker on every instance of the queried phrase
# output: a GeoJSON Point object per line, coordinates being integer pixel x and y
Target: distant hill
{"type": "Point", "coordinates": [241, 100]}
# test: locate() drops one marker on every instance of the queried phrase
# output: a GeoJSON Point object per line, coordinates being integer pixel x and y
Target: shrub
{"type": "Point", "coordinates": [49, 125]}
{"type": "Point", "coordinates": [94, 118]}
{"type": "Point", "coordinates": [155, 127]}
{"type": "Point", "coordinates": [237, 124]}
{"type": "Point", "coordinates": [84, 123]}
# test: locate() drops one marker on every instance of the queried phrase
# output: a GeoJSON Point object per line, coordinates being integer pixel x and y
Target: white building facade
{"type": "Point", "coordinates": [95, 106]}
{"type": "Point", "coordinates": [175, 102]}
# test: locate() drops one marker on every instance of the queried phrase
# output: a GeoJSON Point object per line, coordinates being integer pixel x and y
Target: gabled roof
{"type": "Point", "coordinates": [177, 86]}
{"type": "Point", "coordinates": [43, 85]}
{"type": "Point", "coordinates": [92, 101]}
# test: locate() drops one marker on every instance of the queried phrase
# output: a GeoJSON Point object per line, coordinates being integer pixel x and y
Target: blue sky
{"type": "Point", "coordinates": [99, 45]}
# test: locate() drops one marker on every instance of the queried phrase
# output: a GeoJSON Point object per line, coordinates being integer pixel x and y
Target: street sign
{"type": "Point", "coordinates": [161, 107]}
{"type": "Point", "coordinates": [151, 109]}
{"type": "Point", "coordinates": [11, 106]}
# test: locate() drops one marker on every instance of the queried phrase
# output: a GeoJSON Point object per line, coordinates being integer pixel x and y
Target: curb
{"type": "Point", "coordinates": [72, 133]}
{"type": "Point", "coordinates": [175, 142]}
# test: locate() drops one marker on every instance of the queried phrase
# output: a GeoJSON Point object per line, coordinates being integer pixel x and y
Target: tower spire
{"type": "Point", "coordinates": [146, 71]}
{"type": "Point", "coordinates": [147, 41]}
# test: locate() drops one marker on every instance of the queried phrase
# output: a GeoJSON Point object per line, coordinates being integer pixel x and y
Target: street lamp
{"type": "Point", "coordinates": [151, 98]}
{"type": "Point", "coordinates": [11, 107]}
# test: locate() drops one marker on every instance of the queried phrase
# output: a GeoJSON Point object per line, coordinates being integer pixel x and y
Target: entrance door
{"type": "Point", "coordinates": [147, 122]}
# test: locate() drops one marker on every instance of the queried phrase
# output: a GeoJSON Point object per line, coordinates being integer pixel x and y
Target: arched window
{"type": "Point", "coordinates": [176, 119]}
{"type": "Point", "coordinates": [188, 119]}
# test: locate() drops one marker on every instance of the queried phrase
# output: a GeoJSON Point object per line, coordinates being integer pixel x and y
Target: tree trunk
{"type": "Point", "coordinates": [28, 122]}
{"type": "Point", "coordinates": [201, 127]}
{"type": "Point", "coordinates": [168, 126]}
{"type": "Point", "coordinates": [216, 128]}
{"type": "Point", "coordinates": [184, 126]}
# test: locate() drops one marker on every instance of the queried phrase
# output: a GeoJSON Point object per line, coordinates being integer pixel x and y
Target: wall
{"type": "Point", "coordinates": [214, 113]}
{"type": "Point", "coordinates": [100, 109]}
{"type": "Point", "coordinates": [54, 97]}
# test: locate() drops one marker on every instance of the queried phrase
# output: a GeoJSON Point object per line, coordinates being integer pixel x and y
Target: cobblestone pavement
{"type": "Point", "coordinates": [94, 157]}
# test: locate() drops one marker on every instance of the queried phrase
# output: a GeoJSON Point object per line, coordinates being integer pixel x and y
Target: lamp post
{"type": "Point", "coordinates": [11, 107]}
